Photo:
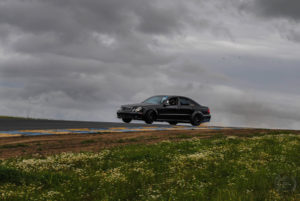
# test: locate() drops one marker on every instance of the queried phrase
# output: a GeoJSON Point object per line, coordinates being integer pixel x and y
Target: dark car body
{"type": "Point", "coordinates": [172, 109]}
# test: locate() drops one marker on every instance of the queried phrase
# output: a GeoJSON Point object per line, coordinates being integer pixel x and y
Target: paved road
{"type": "Point", "coordinates": [28, 124]}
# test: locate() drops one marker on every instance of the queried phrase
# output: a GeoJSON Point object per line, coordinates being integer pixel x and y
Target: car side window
{"type": "Point", "coordinates": [184, 101]}
{"type": "Point", "coordinates": [193, 103]}
{"type": "Point", "coordinates": [173, 101]}
{"type": "Point", "coordinates": [164, 98]}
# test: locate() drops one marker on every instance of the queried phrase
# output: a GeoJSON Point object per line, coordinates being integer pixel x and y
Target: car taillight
{"type": "Point", "coordinates": [208, 110]}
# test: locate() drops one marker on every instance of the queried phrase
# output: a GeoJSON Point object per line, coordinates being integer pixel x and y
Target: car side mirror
{"type": "Point", "coordinates": [166, 103]}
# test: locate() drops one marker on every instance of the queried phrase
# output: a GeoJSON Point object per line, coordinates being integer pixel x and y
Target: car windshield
{"type": "Point", "coordinates": [156, 99]}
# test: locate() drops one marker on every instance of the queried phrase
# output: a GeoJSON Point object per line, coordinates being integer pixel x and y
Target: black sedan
{"type": "Point", "coordinates": [172, 109]}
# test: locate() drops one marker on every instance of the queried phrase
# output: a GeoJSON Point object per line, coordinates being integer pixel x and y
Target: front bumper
{"type": "Point", "coordinates": [132, 115]}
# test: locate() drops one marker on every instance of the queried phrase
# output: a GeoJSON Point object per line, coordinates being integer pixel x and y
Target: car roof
{"type": "Point", "coordinates": [170, 96]}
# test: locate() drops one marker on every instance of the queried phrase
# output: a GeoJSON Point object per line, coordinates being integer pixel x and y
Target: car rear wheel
{"type": "Point", "coordinates": [172, 123]}
{"type": "Point", "coordinates": [126, 120]}
{"type": "Point", "coordinates": [150, 117]}
{"type": "Point", "coordinates": [196, 120]}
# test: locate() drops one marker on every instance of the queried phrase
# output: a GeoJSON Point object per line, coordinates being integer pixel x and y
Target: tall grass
{"type": "Point", "coordinates": [258, 168]}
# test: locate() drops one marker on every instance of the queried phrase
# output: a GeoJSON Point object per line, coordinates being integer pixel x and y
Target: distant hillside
{"type": "Point", "coordinates": [12, 117]}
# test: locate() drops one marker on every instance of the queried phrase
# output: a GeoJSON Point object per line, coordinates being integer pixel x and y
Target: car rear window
{"type": "Point", "coordinates": [184, 101]}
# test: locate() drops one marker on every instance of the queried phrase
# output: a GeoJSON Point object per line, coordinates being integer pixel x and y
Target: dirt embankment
{"type": "Point", "coordinates": [47, 145]}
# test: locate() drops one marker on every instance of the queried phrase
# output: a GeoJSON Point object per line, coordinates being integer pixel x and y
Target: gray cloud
{"type": "Point", "coordinates": [283, 15]}
{"type": "Point", "coordinates": [71, 19]}
{"type": "Point", "coordinates": [278, 8]}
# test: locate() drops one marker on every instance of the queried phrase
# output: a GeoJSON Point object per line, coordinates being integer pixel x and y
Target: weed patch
{"type": "Point", "coordinates": [8, 146]}
{"type": "Point", "coordinates": [87, 141]}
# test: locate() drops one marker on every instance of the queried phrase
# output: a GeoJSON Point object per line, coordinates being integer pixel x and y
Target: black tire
{"type": "Point", "coordinates": [150, 117]}
{"type": "Point", "coordinates": [126, 120]}
{"type": "Point", "coordinates": [172, 122]}
{"type": "Point", "coordinates": [196, 120]}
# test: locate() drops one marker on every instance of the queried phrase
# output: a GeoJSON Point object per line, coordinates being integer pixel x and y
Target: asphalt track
{"type": "Point", "coordinates": [31, 127]}
{"type": "Point", "coordinates": [33, 124]}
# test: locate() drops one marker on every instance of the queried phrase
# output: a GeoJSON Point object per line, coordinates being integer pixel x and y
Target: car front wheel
{"type": "Point", "coordinates": [196, 120]}
{"type": "Point", "coordinates": [150, 117]}
{"type": "Point", "coordinates": [126, 120]}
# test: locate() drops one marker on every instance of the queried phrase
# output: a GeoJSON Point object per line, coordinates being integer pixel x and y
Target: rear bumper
{"type": "Point", "coordinates": [206, 118]}
{"type": "Point", "coordinates": [131, 115]}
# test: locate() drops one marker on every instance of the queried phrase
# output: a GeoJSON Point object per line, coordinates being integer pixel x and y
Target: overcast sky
{"type": "Point", "coordinates": [82, 59]}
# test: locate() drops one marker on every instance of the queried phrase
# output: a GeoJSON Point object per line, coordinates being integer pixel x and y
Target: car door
{"type": "Point", "coordinates": [170, 110]}
{"type": "Point", "coordinates": [186, 108]}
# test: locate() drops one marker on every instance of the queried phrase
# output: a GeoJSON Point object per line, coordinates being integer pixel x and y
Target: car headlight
{"type": "Point", "coordinates": [138, 109]}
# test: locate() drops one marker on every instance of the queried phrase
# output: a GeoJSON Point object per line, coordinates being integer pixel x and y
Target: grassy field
{"type": "Point", "coordinates": [220, 168]}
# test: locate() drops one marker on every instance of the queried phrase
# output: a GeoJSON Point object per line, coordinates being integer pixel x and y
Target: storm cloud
{"type": "Point", "coordinates": [81, 60]}
{"type": "Point", "coordinates": [278, 8]}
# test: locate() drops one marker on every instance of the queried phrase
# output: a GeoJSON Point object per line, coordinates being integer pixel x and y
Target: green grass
{"type": "Point", "coordinates": [125, 140]}
{"type": "Point", "coordinates": [8, 146]}
{"type": "Point", "coordinates": [88, 141]}
{"type": "Point", "coordinates": [182, 136]}
{"type": "Point", "coordinates": [257, 168]}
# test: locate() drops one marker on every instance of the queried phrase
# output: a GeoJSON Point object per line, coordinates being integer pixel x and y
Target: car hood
{"type": "Point", "coordinates": [138, 105]}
